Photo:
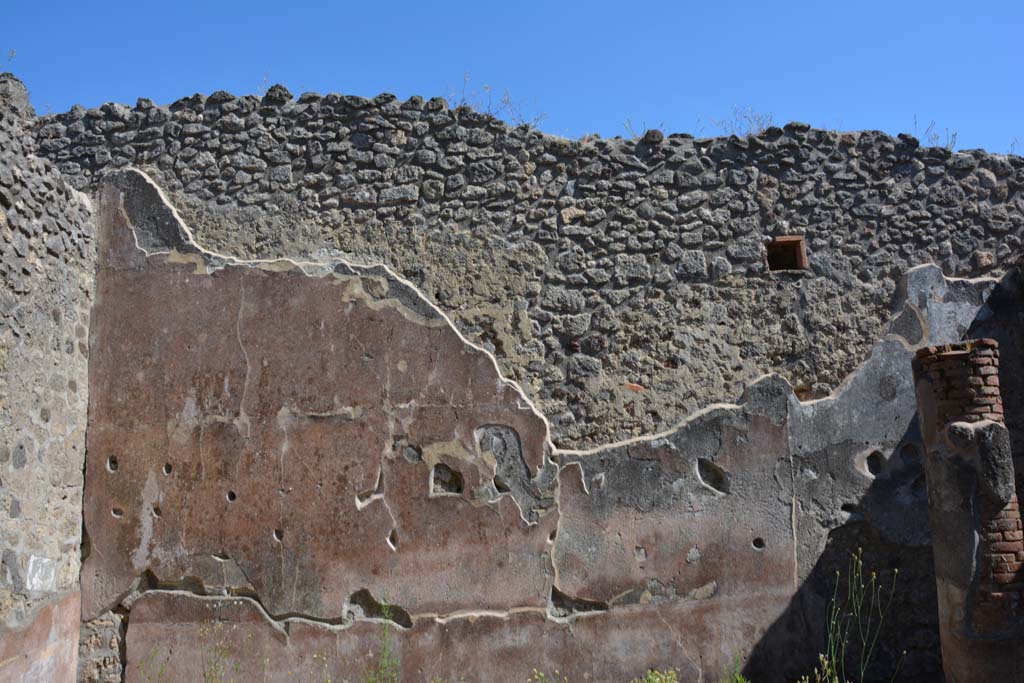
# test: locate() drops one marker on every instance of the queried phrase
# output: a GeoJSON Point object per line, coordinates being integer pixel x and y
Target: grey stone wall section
{"type": "Point", "coordinates": [46, 264]}
{"type": "Point", "coordinates": [101, 650]}
{"type": "Point", "coordinates": [622, 282]}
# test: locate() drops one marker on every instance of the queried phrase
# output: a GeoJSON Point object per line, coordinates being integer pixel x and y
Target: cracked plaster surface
{"type": "Point", "coordinates": [627, 531]}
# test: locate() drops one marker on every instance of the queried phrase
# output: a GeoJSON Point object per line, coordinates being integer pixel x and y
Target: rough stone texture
{"type": "Point", "coordinates": [332, 403]}
{"type": "Point", "coordinates": [621, 282]}
{"type": "Point", "coordinates": [46, 263]}
{"type": "Point", "coordinates": [101, 648]}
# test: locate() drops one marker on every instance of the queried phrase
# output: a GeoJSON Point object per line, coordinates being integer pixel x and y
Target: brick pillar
{"type": "Point", "coordinates": [975, 517]}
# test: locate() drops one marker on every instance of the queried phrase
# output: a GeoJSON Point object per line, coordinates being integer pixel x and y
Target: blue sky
{"type": "Point", "coordinates": [589, 67]}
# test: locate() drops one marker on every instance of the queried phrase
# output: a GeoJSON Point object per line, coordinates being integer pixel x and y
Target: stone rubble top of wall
{"type": "Point", "coordinates": [622, 282]}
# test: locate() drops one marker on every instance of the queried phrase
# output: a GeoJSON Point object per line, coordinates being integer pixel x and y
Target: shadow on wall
{"type": "Point", "coordinates": [1003, 320]}
{"type": "Point", "coordinates": [889, 524]}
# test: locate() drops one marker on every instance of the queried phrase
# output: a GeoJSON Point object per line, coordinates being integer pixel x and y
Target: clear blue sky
{"type": "Point", "coordinates": [589, 66]}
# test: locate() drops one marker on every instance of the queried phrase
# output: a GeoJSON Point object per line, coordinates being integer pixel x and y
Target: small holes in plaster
{"type": "Point", "coordinates": [112, 464]}
{"type": "Point", "coordinates": [232, 496]}
{"type": "Point", "coordinates": [874, 463]}
{"type": "Point", "coordinates": [445, 481]}
{"type": "Point", "coordinates": [758, 543]}
{"type": "Point", "coordinates": [871, 463]}
{"type": "Point", "coordinates": [278, 535]}
{"type": "Point", "coordinates": [156, 511]}
{"type": "Point", "coordinates": [713, 476]}
{"type": "Point", "coordinates": [168, 467]}
{"type": "Point", "coordinates": [118, 513]}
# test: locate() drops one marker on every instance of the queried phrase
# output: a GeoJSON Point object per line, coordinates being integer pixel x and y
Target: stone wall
{"type": "Point", "coordinates": [621, 282]}
{"type": "Point", "coordinates": [357, 450]}
{"type": "Point", "coordinates": [46, 275]}
{"type": "Point", "coordinates": [622, 286]}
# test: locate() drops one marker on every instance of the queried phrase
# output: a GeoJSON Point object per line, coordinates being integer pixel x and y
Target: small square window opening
{"type": "Point", "coordinates": [787, 253]}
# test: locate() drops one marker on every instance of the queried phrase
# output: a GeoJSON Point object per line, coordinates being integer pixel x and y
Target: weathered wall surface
{"type": "Point", "coordinates": [621, 282]}
{"type": "Point", "coordinates": [46, 270]}
{"type": "Point", "coordinates": [357, 449]}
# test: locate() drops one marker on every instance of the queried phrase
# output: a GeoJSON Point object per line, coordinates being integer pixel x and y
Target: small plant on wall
{"type": "Point", "coordinates": [387, 667]}
{"type": "Point", "coordinates": [856, 614]}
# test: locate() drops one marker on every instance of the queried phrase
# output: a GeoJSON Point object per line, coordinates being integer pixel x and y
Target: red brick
{"type": "Point", "coordinates": [1011, 567]}
{"type": "Point", "coordinates": [1006, 547]}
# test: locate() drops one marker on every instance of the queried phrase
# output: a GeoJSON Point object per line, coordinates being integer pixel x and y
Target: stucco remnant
{"type": "Point", "coordinates": [274, 376]}
{"type": "Point", "coordinates": [540, 362]}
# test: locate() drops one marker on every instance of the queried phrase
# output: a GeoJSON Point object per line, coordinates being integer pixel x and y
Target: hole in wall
{"type": "Point", "coordinates": [874, 463]}
{"type": "Point", "coordinates": [86, 546]}
{"type": "Point", "coordinates": [118, 513]}
{"type": "Point", "coordinates": [168, 467]}
{"type": "Point", "coordinates": [371, 609]}
{"type": "Point", "coordinates": [157, 511]}
{"type": "Point", "coordinates": [713, 476]}
{"type": "Point", "coordinates": [278, 535]}
{"type": "Point", "coordinates": [758, 543]}
{"type": "Point", "coordinates": [412, 454]}
{"type": "Point", "coordinates": [112, 464]}
{"type": "Point", "coordinates": [445, 480]}
{"type": "Point", "coordinates": [563, 605]}
{"type": "Point", "coordinates": [787, 253]}
{"type": "Point", "coordinates": [500, 485]}
{"type": "Point", "coordinates": [393, 539]}
{"type": "Point", "coordinates": [853, 511]}
{"type": "Point", "coordinates": [232, 496]}
{"type": "Point", "coordinates": [553, 535]}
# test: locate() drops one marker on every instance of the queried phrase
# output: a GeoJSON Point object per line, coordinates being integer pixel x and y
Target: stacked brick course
{"type": "Point", "coordinates": [965, 377]}
{"type": "Point", "coordinates": [1004, 545]}
{"type": "Point", "coordinates": [965, 383]}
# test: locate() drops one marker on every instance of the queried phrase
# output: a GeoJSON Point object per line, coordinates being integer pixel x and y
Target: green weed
{"type": "Point", "coordinates": [386, 669]}
{"type": "Point", "coordinates": [854, 625]}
